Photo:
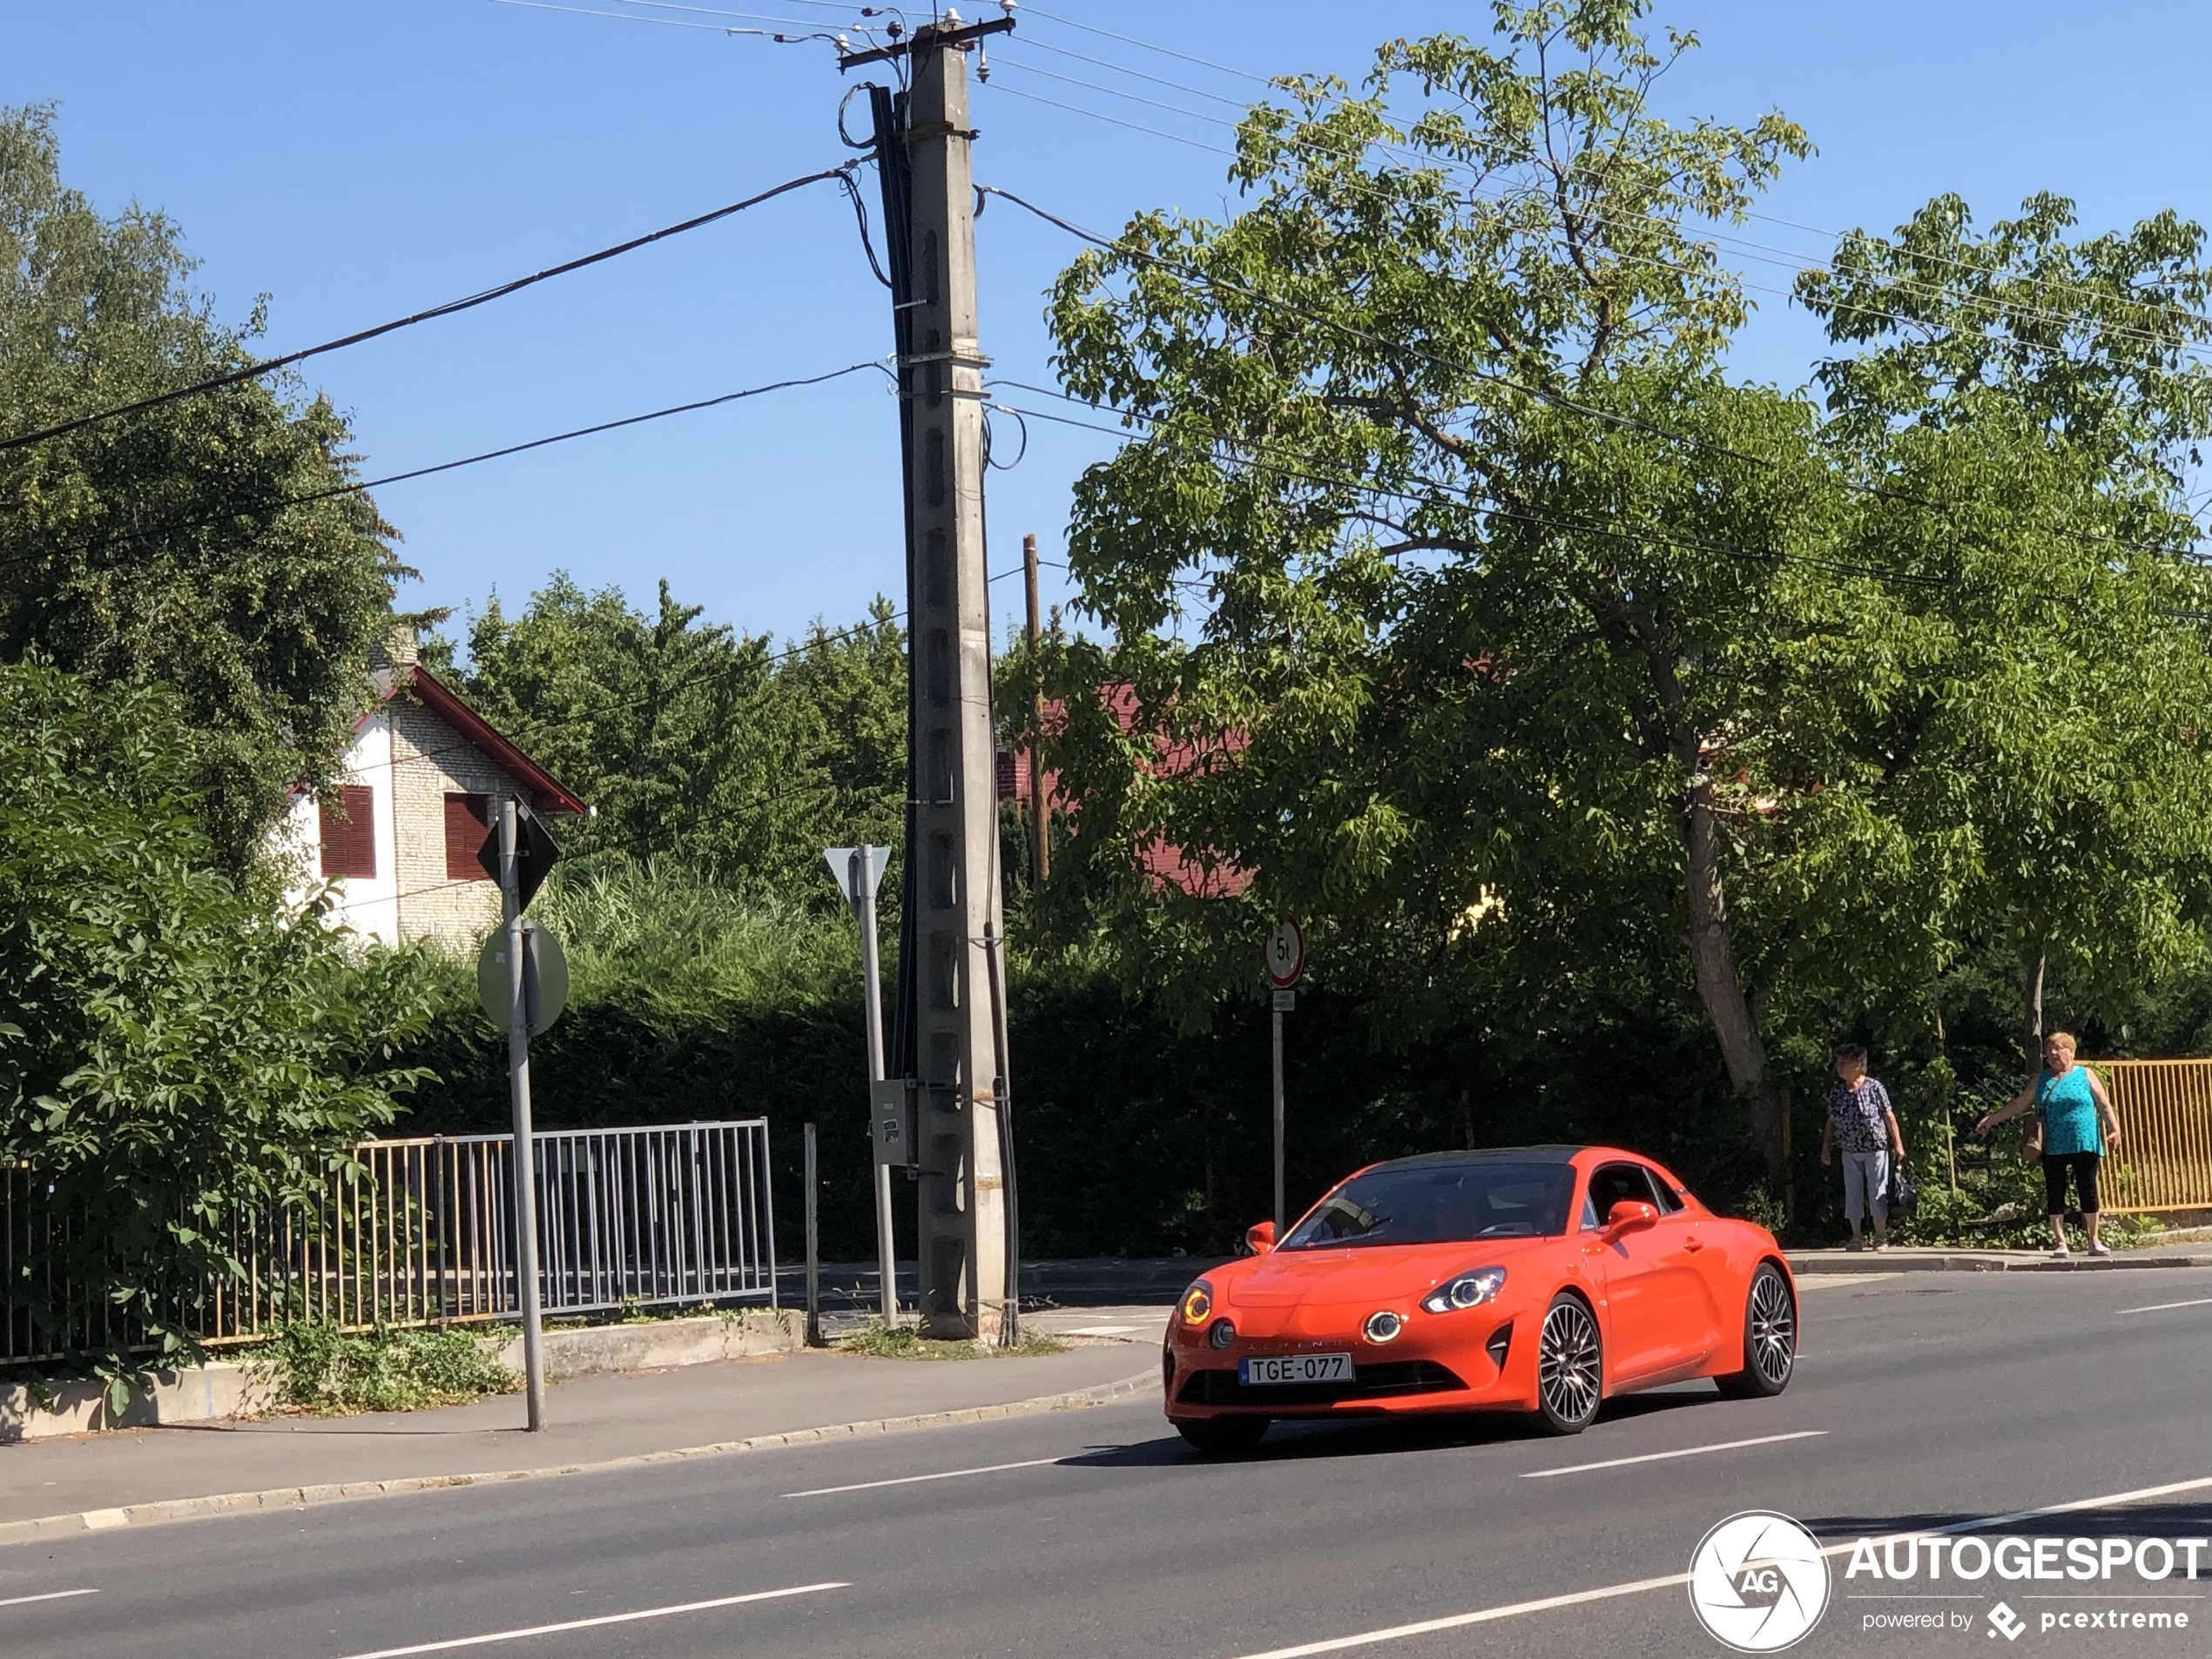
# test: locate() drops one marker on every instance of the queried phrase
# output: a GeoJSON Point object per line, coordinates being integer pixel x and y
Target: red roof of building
{"type": "Point", "coordinates": [548, 793]}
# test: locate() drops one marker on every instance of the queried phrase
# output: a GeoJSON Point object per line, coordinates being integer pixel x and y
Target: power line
{"type": "Point", "coordinates": [254, 371]}
{"type": "Point", "coordinates": [1539, 394]}
{"type": "Point", "coordinates": [1491, 505]}
{"type": "Point", "coordinates": [1996, 309]}
{"type": "Point", "coordinates": [1784, 256]}
{"type": "Point", "coordinates": [152, 532]}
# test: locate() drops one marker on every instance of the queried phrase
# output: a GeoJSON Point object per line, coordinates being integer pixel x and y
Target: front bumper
{"type": "Point", "coordinates": [1483, 1359]}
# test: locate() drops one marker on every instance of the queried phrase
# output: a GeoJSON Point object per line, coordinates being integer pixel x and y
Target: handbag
{"type": "Point", "coordinates": [1904, 1195]}
{"type": "Point", "coordinates": [2032, 1138]}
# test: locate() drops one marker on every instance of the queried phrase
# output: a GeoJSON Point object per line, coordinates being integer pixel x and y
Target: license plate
{"type": "Point", "coordinates": [1265, 1369]}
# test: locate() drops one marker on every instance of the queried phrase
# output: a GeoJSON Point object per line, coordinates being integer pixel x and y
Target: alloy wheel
{"type": "Point", "coordinates": [1567, 1362]}
{"type": "Point", "coordinates": [1774, 1329]}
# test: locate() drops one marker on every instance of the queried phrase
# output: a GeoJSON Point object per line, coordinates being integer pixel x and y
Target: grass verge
{"type": "Point", "coordinates": [904, 1342]}
{"type": "Point", "coordinates": [319, 1368]}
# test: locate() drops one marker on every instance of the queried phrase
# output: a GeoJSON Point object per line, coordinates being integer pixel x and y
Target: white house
{"type": "Point", "coordinates": [421, 780]}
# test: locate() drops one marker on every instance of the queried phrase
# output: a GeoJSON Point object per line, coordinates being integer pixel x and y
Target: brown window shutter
{"type": "Point", "coordinates": [348, 826]}
{"type": "Point", "coordinates": [468, 817]}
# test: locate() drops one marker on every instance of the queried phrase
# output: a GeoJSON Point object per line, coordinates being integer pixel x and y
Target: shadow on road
{"type": "Point", "coordinates": [1291, 1441]}
{"type": "Point", "coordinates": [2187, 1519]}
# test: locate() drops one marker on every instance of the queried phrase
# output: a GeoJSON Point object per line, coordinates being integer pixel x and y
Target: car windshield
{"type": "Point", "coordinates": [1439, 1203]}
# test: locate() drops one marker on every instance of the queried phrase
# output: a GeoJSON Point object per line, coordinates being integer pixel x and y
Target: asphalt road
{"type": "Point", "coordinates": [1925, 1399]}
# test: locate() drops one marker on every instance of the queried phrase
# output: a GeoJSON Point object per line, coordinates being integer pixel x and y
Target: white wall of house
{"type": "Point", "coordinates": [367, 905]}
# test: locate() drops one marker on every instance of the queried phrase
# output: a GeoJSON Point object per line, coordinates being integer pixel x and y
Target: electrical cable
{"type": "Point", "coordinates": [1541, 395]}
{"type": "Point", "coordinates": [1999, 310]}
{"type": "Point", "coordinates": [254, 371]}
{"type": "Point", "coordinates": [152, 532]}
{"type": "Point", "coordinates": [1966, 266]}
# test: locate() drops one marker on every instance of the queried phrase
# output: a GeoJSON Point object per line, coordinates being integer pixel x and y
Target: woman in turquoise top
{"type": "Point", "coordinates": [2079, 1128]}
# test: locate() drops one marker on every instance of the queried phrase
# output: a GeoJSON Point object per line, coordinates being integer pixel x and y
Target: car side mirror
{"type": "Point", "coordinates": [1629, 1217]}
{"type": "Point", "coordinates": [1259, 1237]}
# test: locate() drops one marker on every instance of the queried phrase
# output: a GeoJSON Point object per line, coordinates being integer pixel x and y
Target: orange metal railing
{"type": "Point", "coordinates": [2164, 1158]}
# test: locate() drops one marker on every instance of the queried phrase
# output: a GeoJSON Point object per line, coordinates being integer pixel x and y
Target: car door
{"type": "Point", "coordinates": [1659, 1318]}
{"type": "Point", "coordinates": [1695, 1266]}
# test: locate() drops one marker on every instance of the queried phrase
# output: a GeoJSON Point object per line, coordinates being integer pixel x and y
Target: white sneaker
{"type": "Point", "coordinates": [2060, 1253]}
{"type": "Point", "coordinates": [2100, 1248]}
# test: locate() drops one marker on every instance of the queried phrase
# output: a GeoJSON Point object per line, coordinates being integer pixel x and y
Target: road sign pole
{"type": "Point", "coordinates": [1286, 961]}
{"type": "Point", "coordinates": [518, 1090]}
{"type": "Point", "coordinates": [814, 1249]}
{"type": "Point", "coordinates": [1278, 1121]}
{"type": "Point", "coordinates": [886, 1253]}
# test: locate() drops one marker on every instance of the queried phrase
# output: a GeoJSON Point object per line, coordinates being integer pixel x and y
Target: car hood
{"type": "Point", "coordinates": [1368, 1275]}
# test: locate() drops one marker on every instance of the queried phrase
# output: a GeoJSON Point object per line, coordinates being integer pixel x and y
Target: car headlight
{"type": "Point", "coordinates": [1197, 1303]}
{"type": "Point", "coordinates": [1469, 1290]}
{"type": "Point", "coordinates": [1223, 1334]}
{"type": "Point", "coordinates": [1382, 1325]}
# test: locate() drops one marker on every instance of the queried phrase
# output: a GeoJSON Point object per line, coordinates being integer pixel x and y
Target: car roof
{"type": "Point", "coordinates": [1555, 1153]}
{"type": "Point", "coordinates": [1485, 1154]}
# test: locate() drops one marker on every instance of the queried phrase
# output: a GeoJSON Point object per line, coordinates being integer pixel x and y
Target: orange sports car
{"type": "Point", "coordinates": [1536, 1279]}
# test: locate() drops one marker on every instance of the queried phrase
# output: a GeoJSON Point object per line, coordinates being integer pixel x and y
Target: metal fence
{"type": "Point", "coordinates": [424, 1235]}
{"type": "Point", "coordinates": [2164, 1158]}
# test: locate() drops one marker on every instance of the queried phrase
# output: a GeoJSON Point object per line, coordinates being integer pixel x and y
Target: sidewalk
{"type": "Point", "coordinates": [590, 1420]}
{"type": "Point", "coordinates": [1905, 1258]}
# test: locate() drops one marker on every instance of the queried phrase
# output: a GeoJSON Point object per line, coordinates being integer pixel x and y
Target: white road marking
{"type": "Point", "coordinates": [1100, 1330]}
{"type": "Point", "coordinates": [1675, 1581]}
{"type": "Point", "coordinates": [909, 1479]}
{"type": "Point", "coordinates": [1661, 1457]}
{"type": "Point", "coordinates": [50, 1595]}
{"type": "Point", "coordinates": [611, 1618]}
{"type": "Point", "coordinates": [2160, 1307]}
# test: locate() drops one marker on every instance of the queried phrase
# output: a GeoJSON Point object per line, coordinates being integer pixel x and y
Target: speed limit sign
{"type": "Point", "coordinates": [1285, 953]}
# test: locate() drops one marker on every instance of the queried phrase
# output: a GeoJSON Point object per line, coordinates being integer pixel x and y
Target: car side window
{"type": "Point", "coordinates": [1590, 1215]}
{"type": "Point", "coordinates": [1615, 1183]}
{"type": "Point", "coordinates": [1670, 1200]}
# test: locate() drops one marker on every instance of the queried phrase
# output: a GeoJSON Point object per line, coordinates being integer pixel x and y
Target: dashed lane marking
{"type": "Point", "coordinates": [1661, 1457]}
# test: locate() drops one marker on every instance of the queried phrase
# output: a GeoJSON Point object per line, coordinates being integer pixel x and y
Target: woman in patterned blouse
{"type": "Point", "coordinates": [1860, 1121]}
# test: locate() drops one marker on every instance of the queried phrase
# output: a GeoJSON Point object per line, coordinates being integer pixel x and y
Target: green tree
{"type": "Point", "coordinates": [176, 1053]}
{"type": "Point", "coordinates": [1442, 510]}
{"type": "Point", "coordinates": [2024, 410]}
{"type": "Point", "coordinates": [698, 744]}
{"type": "Point", "coordinates": [171, 545]}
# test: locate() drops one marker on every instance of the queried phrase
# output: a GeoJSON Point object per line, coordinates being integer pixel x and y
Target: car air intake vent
{"type": "Point", "coordinates": [1500, 1339]}
{"type": "Point", "coordinates": [1369, 1382]}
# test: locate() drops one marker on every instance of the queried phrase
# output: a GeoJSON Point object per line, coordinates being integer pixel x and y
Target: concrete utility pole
{"type": "Point", "coordinates": [518, 1091]}
{"type": "Point", "coordinates": [1040, 825]}
{"type": "Point", "coordinates": [952, 1017]}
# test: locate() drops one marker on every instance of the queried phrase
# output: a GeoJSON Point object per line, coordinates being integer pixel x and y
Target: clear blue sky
{"type": "Point", "coordinates": [357, 160]}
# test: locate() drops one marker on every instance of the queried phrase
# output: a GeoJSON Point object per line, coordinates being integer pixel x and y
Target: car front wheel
{"type": "Point", "coordinates": [1222, 1436]}
{"type": "Point", "coordinates": [1770, 1338]}
{"type": "Point", "coordinates": [1569, 1366]}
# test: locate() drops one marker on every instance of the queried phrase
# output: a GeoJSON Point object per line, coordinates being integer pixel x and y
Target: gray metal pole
{"type": "Point", "coordinates": [1278, 1122]}
{"type": "Point", "coordinates": [886, 1253]}
{"type": "Point", "coordinates": [813, 1252]}
{"type": "Point", "coordinates": [518, 1091]}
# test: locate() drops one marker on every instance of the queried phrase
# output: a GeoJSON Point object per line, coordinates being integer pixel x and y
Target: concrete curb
{"type": "Point", "coordinates": [228, 1503]}
{"type": "Point", "coordinates": [1892, 1261]}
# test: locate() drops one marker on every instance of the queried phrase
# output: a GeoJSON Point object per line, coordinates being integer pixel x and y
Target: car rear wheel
{"type": "Point", "coordinates": [1770, 1338]}
{"type": "Point", "coordinates": [1223, 1436]}
{"type": "Point", "coordinates": [1569, 1366]}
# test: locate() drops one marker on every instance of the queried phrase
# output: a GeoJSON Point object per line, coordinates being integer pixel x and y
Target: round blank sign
{"type": "Point", "coordinates": [545, 977]}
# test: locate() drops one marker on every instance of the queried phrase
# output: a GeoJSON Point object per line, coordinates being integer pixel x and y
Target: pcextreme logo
{"type": "Point", "coordinates": [1758, 1581]}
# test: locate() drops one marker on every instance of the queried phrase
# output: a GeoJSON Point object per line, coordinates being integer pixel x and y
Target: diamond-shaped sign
{"type": "Point", "coordinates": [534, 858]}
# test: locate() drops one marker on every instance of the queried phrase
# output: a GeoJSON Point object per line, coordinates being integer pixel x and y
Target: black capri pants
{"type": "Point", "coordinates": [2084, 1165]}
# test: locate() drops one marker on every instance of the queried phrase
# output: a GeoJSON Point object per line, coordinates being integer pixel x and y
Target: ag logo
{"type": "Point", "coordinates": [1758, 1581]}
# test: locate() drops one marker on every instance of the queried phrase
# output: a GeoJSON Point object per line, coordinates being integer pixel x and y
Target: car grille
{"type": "Point", "coordinates": [1368, 1382]}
